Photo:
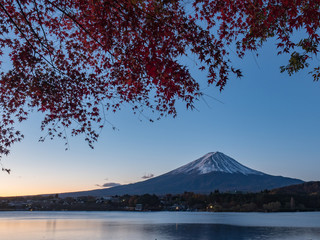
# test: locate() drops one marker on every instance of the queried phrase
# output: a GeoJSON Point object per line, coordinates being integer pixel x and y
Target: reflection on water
{"type": "Point", "coordinates": [160, 226]}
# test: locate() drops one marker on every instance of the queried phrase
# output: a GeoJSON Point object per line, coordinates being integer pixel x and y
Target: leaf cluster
{"type": "Point", "coordinates": [77, 60]}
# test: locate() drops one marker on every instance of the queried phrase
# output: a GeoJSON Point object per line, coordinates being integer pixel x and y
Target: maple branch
{"type": "Point", "coordinates": [31, 28]}
{"type": "Point", "coordinates": [66, 138]}
{"type": "Point", "coordinates": [117, 7]}
{"type": "Point", "coordinates": [105, 120]}
{"type": "Point", "coordinates": [40, 23]}
{"type": "Point", "coordinates": [42, 139]}
{"type": "Point", "coordinates": [26, 39]}
{"type": "Point", "coordinates": [79, 25]}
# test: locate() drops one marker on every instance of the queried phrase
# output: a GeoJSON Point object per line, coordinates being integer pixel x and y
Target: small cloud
{"type": "Point", "coordinates": [108, 185]}
{"type": "Point", "coordinates": [146, 176]}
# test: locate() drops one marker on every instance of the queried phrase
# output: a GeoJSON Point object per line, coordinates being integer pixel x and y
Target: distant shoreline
{"type": "Point", "coordinates": [266, 201]}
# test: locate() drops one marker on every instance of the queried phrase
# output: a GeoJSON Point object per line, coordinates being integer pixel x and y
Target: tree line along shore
{"type": "Point", "coordinates": [265, 201]}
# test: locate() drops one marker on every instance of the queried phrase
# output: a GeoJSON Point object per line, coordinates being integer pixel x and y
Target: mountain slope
{"type": "Point", "coordinates": [307, 188]}
{"type": "Point", "coordinates": [204, 175]}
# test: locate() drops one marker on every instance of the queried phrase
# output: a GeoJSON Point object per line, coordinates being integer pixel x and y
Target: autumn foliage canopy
{"type": "Point", "coordinates": [75, 60]}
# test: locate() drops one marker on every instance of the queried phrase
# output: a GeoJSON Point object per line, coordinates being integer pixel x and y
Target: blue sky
{"type": "Point", "coordinates": [266, 120]}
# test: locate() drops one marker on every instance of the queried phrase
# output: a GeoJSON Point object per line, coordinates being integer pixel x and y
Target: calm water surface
{"type": "Point", "coordinates": [158, 225]}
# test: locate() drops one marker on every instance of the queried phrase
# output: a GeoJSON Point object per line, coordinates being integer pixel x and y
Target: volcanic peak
{"type": "Point", "coordinates": [215, 162]}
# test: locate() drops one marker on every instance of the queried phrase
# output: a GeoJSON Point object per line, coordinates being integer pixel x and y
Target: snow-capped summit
{"type": "Point", "coordinates": [215, 162]}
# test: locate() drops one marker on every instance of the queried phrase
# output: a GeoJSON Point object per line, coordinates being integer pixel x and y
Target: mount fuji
{"type": "Point", "coordinates": [213, 171]}
{"type": "Point", "coordinates": [214, 162]}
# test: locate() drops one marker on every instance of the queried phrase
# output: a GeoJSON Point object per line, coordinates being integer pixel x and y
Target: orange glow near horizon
{"type": "Point", "coordinates": [40, 191]}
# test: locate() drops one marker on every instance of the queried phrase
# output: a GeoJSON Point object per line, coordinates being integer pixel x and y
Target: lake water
{"type": "Point", "coordinates": [158, 225]}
